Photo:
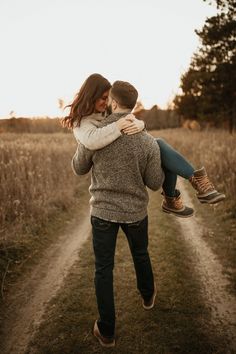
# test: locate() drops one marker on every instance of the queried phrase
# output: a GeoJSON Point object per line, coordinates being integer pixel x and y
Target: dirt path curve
{"type": "Point", "coordinates": [214, 282]}
{"type": "Point", "coordinates": [30, 297]}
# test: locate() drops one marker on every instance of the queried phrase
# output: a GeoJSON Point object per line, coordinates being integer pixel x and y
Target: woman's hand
{"type": "Point", "coordinates": [136, 125]}
{"type": "Point", "coordinates": [130, 125]}
{"type": "Point", "coordinates": [123, 123]}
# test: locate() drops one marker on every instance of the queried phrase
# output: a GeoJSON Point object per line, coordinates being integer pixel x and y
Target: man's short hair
{"type": "Point", "coordinates": [124, 94]}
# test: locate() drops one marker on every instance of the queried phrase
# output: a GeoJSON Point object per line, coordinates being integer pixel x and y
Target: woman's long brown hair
{"type": "Point", "coordinates": [84, 102]}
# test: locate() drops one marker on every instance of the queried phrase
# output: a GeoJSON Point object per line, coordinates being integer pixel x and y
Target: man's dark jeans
{"type": "Point", "coordinates": [104, 244]}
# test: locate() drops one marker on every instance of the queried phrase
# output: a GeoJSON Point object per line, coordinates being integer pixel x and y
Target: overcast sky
{"type": "Point", "coordinates": [49, 47]}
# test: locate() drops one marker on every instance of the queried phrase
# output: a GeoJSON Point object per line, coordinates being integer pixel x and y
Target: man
{"type": "Point", "coordinates": [120, 173]}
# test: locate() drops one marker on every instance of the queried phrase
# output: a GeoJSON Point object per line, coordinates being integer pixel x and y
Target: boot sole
{"type": "Point", "coordinates": [176, 214]}
{"type": "Point", "coordinates": [212, 201]}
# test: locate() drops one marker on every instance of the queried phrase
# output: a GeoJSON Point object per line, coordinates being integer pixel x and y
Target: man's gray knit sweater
{"type": "Point", "coordinates": [120, 173]}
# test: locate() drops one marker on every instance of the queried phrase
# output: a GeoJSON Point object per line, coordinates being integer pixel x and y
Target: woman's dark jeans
{"type": "Point", "coordinates": [104, 244]}
{"type": "Point", "coordinates": [173, 165]}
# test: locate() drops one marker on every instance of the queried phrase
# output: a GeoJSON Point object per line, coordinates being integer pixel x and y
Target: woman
{"type": "Point", "coordinates": [86, 113]}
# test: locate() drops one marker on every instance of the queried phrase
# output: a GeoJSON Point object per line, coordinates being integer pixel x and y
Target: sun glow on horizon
{"type": "Point", "coordinates": [52, 46]}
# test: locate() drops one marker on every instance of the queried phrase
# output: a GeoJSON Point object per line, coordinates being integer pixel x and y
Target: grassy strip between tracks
{"type": "Point", "coordinates": [179, 323]}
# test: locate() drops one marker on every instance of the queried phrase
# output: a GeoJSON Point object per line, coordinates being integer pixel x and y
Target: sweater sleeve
{"type": "Point", "coordinates": [95, 138]}
{"type": "Point", "coordinates": [82, 160]}
{"type": "Point", "coordinates": [154, 175]}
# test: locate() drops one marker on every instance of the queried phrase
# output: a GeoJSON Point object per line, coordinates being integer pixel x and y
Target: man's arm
{"type": "Point", "coordinates": [154, 175]}
{"type": "Point", "coordinates": [82, 160]}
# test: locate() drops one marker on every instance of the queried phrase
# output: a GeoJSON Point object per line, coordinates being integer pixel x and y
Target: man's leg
{"type": "Point", "coordinates": [137, 236]}
{"type": "Point", "coordinates": [104, 243]}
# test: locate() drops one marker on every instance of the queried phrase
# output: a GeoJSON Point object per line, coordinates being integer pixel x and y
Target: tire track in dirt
{"type": "Point", "coordinates": [221, 303]}
{"type": "Point", "coordinates": [25, 308]}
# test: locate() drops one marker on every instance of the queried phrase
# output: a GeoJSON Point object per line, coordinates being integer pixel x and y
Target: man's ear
{"type": "Point", "coordinates": [113, 104]}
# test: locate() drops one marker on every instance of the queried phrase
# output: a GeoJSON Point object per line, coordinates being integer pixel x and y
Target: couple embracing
{"type": "Point", "coordinates": [124, 160]}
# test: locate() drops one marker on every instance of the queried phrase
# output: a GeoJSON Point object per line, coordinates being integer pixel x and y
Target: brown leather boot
{"type": "Point", "coordinates": [174, 205]}
{"type": "Point", "coordinates": [206, 192]}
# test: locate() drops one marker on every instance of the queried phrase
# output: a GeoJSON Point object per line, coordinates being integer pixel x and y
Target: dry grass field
{"type": "Point", "coordinates": [36, 178]}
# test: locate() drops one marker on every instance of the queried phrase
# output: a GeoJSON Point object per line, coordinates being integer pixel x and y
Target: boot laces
{"type": "Point", "coordinates": [177, 203]}
{"type": "Point", "coordinates": [204, 184]}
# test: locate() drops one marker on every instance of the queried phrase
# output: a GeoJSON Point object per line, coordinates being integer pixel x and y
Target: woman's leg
{"type": "Point", "coordinates": [173, 161]}
{"type": "Point", "coordinates": [174, 164]}
{"type": "Point", "coordinates": [169, 184]}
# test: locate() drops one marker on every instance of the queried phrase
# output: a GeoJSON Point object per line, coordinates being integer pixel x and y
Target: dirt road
{"type": "Point", "coordinates": [209, 268]}
{"type": "Point", "coordinates": [24, 308]}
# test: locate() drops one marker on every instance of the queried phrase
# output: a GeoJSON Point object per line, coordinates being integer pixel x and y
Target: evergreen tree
{"type": "Point", "coordinates": [209, 90]}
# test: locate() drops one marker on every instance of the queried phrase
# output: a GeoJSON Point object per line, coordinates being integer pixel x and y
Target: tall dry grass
{"type": "Point", "coordinates": [36, 180]}
{"type": "Point", "coordinates": [214, 149]}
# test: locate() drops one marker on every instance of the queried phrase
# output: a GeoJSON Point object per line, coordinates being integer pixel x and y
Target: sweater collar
{"type": "Point", "coordinates": [97, 116]}
{"type": "Point", "coordinates": [121, 114]}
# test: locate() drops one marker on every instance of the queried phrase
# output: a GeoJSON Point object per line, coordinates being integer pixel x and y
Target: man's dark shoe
{"type": "Point", "coordinates": [107, 342]}
{"type": "Point", "coordinates": [174, 205]}
{"type": "Point", "coordinates": [149, 304]}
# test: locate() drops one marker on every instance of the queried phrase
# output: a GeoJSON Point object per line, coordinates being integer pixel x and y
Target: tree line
{"type": "Point", "coordinates": [34, 125]}
{"type": "Point", "coordinates": [209, 85]}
